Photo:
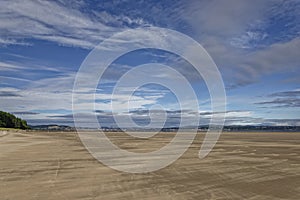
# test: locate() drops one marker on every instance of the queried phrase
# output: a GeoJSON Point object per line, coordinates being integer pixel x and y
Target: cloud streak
{"type": "Point", "coordinates": [53, 21]}
{"type": "Point", "coordinates": [285, 99]}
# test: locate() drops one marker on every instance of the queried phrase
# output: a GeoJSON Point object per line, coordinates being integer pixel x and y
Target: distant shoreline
{"type": "Point", "coordinates": [161, 132]}
{"type": "Point", "coordinates": [205, 128]}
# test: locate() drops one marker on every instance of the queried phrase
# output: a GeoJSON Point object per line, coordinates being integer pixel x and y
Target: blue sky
{"type": "Point", "coordinates": [255, 45]}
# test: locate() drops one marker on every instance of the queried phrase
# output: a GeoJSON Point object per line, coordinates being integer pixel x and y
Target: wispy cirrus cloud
{"type": "Point", "coordinates": [6, 66]}
{"type": "Point", "coordinates": [292, 93]}
{"type": "Point", "coordinates": [282, 103]}
{"type": "Point", "coordinates": [68, 24]}
{"type": "Point", "coordinates": [285, 99]}
{"type": "Point", "coordinates": [247, 39]}
{"type": "Point", "coordinates": [6, 42]}
{"type": "Point", "coordinates": [56, 22]}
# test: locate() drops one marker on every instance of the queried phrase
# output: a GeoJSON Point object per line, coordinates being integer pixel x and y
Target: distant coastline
{"type": "Point", "coordinates": [233, 128]}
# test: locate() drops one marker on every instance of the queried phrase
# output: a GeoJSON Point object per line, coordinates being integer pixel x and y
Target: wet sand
{"type": "Point", "coordinates": [40, 165]}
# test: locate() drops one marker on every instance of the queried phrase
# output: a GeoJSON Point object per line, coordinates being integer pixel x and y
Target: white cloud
{"type": "Point", "coordinates": [48, 20]}
{"type": "Point", "coordinates": [228, 28]}
{"type": "Point", "coordinates": [6, 42]}
{"type": "Point", "coordinates": [6, 66]}
{"type": "Point", "coordinates": [223, 18]}
{"type": "Point", "coordinates": [22, 67]}
{"type": "Point", "coordinates": [246, 40]}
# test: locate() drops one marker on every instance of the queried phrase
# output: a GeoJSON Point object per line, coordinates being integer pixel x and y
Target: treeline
{"type": "Point", "coordinates": [8, 120]}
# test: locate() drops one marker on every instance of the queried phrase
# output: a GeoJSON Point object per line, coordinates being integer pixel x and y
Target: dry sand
{"type": "Point", "coordinates": [241, 166]}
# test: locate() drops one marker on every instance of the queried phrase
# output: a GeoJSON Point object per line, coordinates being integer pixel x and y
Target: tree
{"type": "Point", "coordinates": [8, 120]}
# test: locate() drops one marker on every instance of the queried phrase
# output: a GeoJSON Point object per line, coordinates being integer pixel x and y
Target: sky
{"type": "Point", "coordinates": [255, 45]}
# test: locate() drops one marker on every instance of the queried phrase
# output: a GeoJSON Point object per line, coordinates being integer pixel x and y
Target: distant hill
{"type": "Point", "coordinates": [8, 120]}
{"type": "Point", "coordinates": [52, 127]}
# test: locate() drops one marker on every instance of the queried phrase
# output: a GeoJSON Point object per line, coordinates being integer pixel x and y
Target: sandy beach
{"type": "Point", "coordinates": [41, 165]}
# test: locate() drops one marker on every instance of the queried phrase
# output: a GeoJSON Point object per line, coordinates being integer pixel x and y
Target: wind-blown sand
{"type": "Point", "coordinates": [241, 166]}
